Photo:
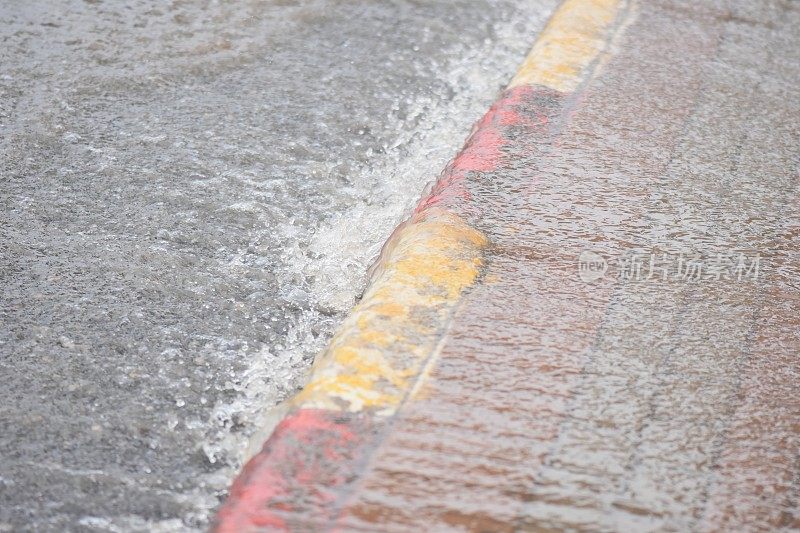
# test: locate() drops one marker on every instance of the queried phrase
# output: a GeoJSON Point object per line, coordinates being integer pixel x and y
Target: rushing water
{"type": "Point", "coordinates": [191, 194]}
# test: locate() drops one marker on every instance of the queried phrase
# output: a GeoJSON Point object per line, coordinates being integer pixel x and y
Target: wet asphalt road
{"type": "Point", "coordinates": [191, 193]}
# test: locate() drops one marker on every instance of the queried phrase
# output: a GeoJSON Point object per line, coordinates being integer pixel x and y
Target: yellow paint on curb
{"type": "Point", "coordinates": [575, 36]}
{"type": "Point", "coordinates": [382, 347]}
{"type": "Point", "coordinates": [388, 346]}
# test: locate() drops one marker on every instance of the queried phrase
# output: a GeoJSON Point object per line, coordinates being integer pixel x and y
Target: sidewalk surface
{"type": "Point", "coordinates": [591, 322]}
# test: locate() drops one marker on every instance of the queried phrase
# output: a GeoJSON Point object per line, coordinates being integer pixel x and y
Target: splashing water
{"type": "Point", "coordinates": [193, 194]}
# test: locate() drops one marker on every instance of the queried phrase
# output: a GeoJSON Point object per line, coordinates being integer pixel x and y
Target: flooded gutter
{"type": "Point", "coordinates": [384, 351]}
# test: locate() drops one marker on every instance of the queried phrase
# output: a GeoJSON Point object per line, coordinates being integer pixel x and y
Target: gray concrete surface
{"type": "Point", "coordinates": [191, 192]}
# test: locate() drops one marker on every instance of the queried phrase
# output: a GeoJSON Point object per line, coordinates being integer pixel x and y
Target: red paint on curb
{"type": "Point", "coordinates": [483, 150]}
{"type": "Point", "coordinates": [305, 464]}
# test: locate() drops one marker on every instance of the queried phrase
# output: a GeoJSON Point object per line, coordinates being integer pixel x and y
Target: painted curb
{"type": "Point", "coordinates": [384, 351]}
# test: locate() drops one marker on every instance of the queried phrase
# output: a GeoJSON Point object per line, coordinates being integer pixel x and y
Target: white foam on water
{"type": "Point", "coordinates": [193, 153]}
{"type": "Point", "coordinates": [328, 265]}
